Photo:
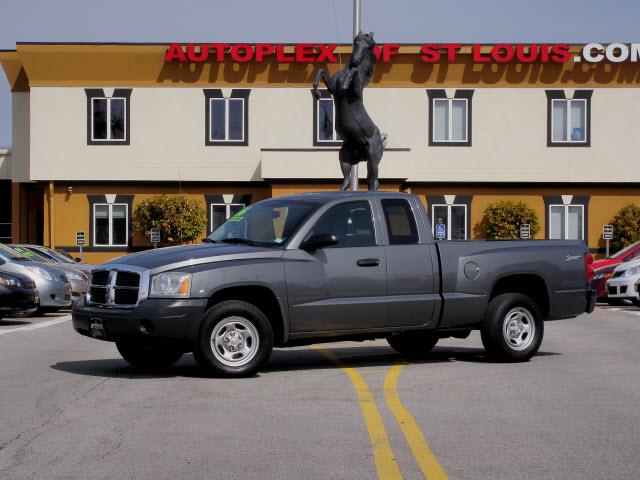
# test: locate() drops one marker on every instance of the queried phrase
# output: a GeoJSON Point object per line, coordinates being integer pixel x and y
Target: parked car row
{"type": "Point", "coordinates": [35, 280]}
{"type": "Point", "coordinates": [616, 277]}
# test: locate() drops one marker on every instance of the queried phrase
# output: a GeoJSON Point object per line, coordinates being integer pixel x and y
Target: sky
{"type": "Point", "coordinates": [396, 21]}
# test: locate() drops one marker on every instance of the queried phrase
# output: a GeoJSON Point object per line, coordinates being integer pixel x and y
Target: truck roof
{"type": "Point", "coordinates": [329, 196]}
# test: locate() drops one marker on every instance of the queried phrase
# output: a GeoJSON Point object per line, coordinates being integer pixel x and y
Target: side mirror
{"type": "Point", "coordinates": [77, 260]}
{"type": "Point", "coordinates": [319, 241]}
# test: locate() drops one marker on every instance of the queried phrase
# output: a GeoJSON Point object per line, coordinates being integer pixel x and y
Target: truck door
{"type": "Point", "coordinates": [341, 287]}
{"type": "Point", "coordinates": [410, 272]}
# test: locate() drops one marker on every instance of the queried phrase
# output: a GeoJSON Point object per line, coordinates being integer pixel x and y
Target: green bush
{"type": "Point", "coordinates": [502, 220]}
{"type": "Point", "coordinates": [179, 219]}
{"type": "Point", "coordinates": [626, 227]}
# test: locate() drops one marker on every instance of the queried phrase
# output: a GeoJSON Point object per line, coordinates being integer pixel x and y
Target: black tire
{"type": "Point", "coordinates": [615, 302]}
{"type": "Point", "coordinates": [413, 343]}
{"type": "Point", "coordinates": [252, 330]}
{"type": "Point", "coordinates": [148, 353]}
{"type": "Point", "coordinates": [636, 302]}
{"type": "Point", "coordinates": [496, 336]}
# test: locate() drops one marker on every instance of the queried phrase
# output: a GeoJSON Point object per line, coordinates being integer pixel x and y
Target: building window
{"type": "Point", "coordinates": [110, 224]}
{"type": "Point", "coordinates": [221, 212]}
{"type": "Point", "coordinates": [450, 118]}
{"type": "Point", "coordinates": [566, 222]}
{"type": "Point", "coordinates": [226, 118]}
{"type": "Point", "coordinates": [108, 117]}
{"type": "Point", "coordinates": [324, 121]}
{"type": "Point", "coordinates": [568, 119]}
{"type": "Point", "coordinates": [454, 219]}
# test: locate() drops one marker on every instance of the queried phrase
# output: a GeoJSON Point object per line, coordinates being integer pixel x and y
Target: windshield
{"type": "Point", "coordinates": [265, 224]}
{"type": "Point", "coordinates": [625, 250]}
{"type": "Point", "coordinates": [51, 254]}
{"type": "Point", "coordinates": [31, 255]}
{"type": "Point", "coordinates": [9, 253]}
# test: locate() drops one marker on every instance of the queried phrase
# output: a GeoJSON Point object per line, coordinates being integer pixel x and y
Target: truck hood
{"type": "Point", "coordinates": [170, 258]}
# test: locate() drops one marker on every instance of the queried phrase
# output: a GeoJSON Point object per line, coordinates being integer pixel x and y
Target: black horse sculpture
{"type": "Point", "coordinates": [361, 139]}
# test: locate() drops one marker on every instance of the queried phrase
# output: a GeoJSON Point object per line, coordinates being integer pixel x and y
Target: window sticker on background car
{"type": "Point", "coordinates": [238, 217]}
{"type": "Point", "coordinates": [25, 252]}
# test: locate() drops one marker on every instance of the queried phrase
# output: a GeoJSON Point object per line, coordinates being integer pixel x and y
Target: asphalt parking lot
{"type": "Point", "coordinates": [70, 408]}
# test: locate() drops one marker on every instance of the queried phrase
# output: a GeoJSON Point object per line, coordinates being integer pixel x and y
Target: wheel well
{"type": "Point", "coordinates": [528, 284]}
{"type": "Point", "coordinates": [261, 297]}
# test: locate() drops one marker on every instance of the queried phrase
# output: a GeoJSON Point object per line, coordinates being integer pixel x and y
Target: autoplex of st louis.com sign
{"type": "Point", "coordinates": [428, 53]}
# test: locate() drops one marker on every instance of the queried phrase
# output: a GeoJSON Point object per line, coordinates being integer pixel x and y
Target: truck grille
{"type": "Point", "coordinates": [114, 287]}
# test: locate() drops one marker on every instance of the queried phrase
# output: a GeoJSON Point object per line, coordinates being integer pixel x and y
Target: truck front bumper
{"type": "Point", "coordinates": [167, 319]}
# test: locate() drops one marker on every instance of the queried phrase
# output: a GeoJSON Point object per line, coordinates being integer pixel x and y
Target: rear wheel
{"type": "Point", "coordinates": [615, 302]}
{"type": "Point", "coordinates": [235, 339]}
{"type": "Point", "coordinates": [148, 353]}
{"type": "Point", "coordinates": [513, 328]}
{"type": "Point", "coordinates": [413, 343]}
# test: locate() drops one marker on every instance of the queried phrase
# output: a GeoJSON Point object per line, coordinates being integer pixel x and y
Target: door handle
{"type": "Point", "coordinates": [368, 262]}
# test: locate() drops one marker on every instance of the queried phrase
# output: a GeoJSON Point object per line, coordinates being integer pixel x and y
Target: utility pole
{"type": "Point", "coordinates": [356, 30]}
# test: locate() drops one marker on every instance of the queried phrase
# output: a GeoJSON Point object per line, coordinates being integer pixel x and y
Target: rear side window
{"type": "Point", "coordinates": [400, 221]}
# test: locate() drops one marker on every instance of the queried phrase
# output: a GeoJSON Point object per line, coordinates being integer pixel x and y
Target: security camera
{"type": "Point", "coordinates": [70, 189]}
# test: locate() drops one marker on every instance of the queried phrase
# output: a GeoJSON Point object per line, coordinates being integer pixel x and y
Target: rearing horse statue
{"type": "Point", "coordinates": [361, 139]}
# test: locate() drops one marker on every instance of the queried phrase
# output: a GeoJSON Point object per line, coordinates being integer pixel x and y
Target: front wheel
{"type": "Point", "coordinates": [413, 343]}
{"type": "Point", "coordinates": [513, 328]}
{"type": "Point", "coordinates": [148, 353]}
{"type": "Point", "coordinates": [235, 339]}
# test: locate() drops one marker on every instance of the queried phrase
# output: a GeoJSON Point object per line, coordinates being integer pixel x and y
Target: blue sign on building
{"type": "Point", "coordinates": [441, 231]}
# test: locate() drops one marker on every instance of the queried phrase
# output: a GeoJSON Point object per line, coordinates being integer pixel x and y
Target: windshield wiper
{"type": "Point", "coordinates": [244, 241]}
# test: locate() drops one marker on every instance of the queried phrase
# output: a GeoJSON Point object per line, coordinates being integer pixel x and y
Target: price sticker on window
{"type": "Point", "coordinates": [80, 238]}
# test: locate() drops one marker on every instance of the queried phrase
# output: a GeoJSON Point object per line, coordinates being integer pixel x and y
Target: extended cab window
{"type": "Point", "coordinates": [400, 222]}
{"type": "Point", "coordinates": [350, 222]}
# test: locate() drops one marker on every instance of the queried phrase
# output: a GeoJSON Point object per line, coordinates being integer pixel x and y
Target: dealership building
{"type": "Point", "coordinates": [98, 128]}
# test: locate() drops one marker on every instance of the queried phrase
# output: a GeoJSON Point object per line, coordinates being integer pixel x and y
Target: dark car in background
{"type": "Point", "coordinates": [18, 294]}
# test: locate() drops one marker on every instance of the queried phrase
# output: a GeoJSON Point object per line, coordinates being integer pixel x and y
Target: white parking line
{"type": "Point", "coordinates": [37, 325]}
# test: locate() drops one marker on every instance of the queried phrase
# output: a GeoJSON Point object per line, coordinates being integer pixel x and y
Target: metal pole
{"type": "Point", "coordinates": [607, 243]}
{"type": "Point", "coordinates": [356, 30]}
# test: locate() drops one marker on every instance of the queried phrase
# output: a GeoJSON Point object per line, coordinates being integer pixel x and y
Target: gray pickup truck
{"type": "Point", "coordinates": [322, 267]}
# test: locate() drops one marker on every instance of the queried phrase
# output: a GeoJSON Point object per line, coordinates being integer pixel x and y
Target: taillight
{"type": "Point", "coordinates": [588, 265]}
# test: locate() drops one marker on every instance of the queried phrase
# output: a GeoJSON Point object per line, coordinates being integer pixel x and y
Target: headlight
{"type": "Point", "coordinates": [7, 281]}
{"type": "Point", "coordinates": [631, 271]}
{"type": "Point", "coordinates": [598, 276]}
{"type": "Point", "coordinates": [171, 285]}
{"type": "Point", "coordinates": [40, 271]}
{"type": "Point", "coordinates": [77, 276]}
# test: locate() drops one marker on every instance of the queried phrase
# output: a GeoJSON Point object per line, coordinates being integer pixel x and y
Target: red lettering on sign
{"type": "Point", "coordinates": [264, 49]}
{"type": "Point", "coordinates": [389, 49]}
{"type": "Point", "coordinates": [560, 52]}
{"type": "Point", "coordinates": [544, 53]}
{"type": "Point", "coordinates": [195, 57]}
{"type": "Point", "coordinates": [280, 55]}
{"type": "Point", "coordinates": [326, 51]}
{"type": "Point", "coordinates": [174, 52]}
{"type": "Point", "coordinates": [220, 49]}
{"type": "Point", "coordinates": [305, 53]}
{"type": "Point", "coordinates": [477, 55]}
{"type": "Point", "coordinates": [523, 57]}
{"type": "Point", "coordinates": [430, 53]}
{"type": "Point", "coordinates": [236, 54]}
{"type": "Point", "coordinates": [502, 52]}
{"type": "Point", "coordinates": [451, 48]}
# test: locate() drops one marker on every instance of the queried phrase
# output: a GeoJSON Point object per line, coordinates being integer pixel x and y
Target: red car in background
{"type": "Point", "coordinates": [627, 253]}
{"type": "Point", "coordinates": [599, 283]}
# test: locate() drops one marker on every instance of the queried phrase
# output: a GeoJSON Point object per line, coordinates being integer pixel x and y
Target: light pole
{"type": "Point", "coordinates": [356, 30]}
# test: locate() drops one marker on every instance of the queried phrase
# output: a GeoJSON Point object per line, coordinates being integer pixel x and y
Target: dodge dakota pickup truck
{"type": "Point", "coordinates": [324, 267]}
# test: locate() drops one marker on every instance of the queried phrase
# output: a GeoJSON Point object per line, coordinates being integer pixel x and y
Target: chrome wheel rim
{"type": "Point", "coordinates": [234, 341]}
{"type": "Point", "coordinates": [519, 328]}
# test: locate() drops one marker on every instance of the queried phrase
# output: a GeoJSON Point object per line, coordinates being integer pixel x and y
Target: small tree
{"type": "Point", "coordinates": [626, 227]}
{"type": "Point", "coordinates": [502, 220]}
{"type": "Point", "coordinates": [179, 219]}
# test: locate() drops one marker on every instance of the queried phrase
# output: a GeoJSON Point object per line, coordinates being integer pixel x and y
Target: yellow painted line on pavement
{"type": "Point", "coordinates": [385, 460]}
{"type": "Point", "coordinates": [428, 463]}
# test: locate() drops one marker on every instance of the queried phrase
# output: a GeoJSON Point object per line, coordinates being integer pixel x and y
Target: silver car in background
{"type": "Point", "coordinates": [78, 278]}
{"type": "Point", "coordinates": [54, 256]}
{"type": "Point", "coordinates": [54, 289]}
